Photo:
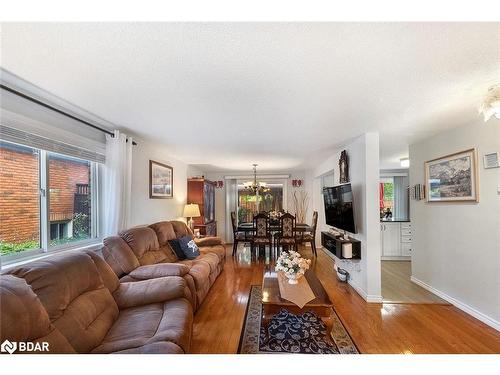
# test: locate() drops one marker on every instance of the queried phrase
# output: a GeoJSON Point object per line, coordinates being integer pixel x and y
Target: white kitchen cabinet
{"type": "Point", "coordinates": [395, 240]}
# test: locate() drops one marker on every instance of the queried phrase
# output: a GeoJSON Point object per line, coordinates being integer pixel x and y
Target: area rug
{"type": "Point", "coordinates": [289, 333]}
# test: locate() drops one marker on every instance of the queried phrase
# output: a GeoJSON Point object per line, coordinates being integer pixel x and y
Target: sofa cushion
{"type": "Point", "coordinates": [208, 241]}
{"type": "Point", "coordinates": [143, 325]}
{"type": "Point", "coordinates": [219, 250]}
{"type": "Point", "coordinates": [25, 319]}
{"type": "Point", "coordinates": [159, 270]}
{"type": "Point", "coordinates": [144, 244]}
{"type": "Point", "coordinates": [154, 348]}
{"type": "Point", "coordinates": [181, 229]}
{"type": "Point", "coordinates": [188, 247]}
{"type": "Point", "coordinates": [164, 231]}
{"type": "Point", "coordinates": [145, 292]}
{"type": "Point", "coordinates": [119, 255]}
{"type": "Point", "coordinates": [71, 290]}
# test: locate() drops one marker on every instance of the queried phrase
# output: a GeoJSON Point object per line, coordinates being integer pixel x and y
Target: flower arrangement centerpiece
{"type": "Point", "coordinates": [292, 265]}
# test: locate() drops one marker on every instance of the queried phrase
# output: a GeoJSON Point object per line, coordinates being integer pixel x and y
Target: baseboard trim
{"type": "Point", "coordinates": [370, 298]}
{"type": "Point", "coordinates": [458, 304]}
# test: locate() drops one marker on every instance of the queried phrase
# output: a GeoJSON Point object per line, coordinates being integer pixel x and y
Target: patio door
{"type": "Point", "coordinates": [249, 203]}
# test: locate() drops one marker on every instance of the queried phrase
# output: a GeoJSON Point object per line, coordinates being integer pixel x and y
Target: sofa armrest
{"type": "Point", "coordinates": [208, 241]}
{"type": "Point", "coordinates": [154, 271]}
{"type": "Point", "coordinates": [144, 292]}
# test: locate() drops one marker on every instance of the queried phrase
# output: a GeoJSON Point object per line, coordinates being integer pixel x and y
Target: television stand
{"type": "Point", "coordinates": [333, 244]}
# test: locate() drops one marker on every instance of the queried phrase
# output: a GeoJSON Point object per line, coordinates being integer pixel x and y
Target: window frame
{"type": "Point", "coordinates": [44, 213]}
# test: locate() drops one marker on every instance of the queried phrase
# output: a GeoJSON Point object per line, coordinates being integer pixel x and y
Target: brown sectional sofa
{"type": "Point", "coordinates": [144, 252]}
{"type": "Point", "coordinates": [140, 300]}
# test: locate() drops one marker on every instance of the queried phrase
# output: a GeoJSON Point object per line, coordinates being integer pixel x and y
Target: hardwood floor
{"type": "Point", "coordinates": [375, 328]}
{"type": "Point", "coordinates": [398, 288]}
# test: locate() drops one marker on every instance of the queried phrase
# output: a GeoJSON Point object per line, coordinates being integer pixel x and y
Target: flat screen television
{"type": "Point", "coordinates": [339, 208]}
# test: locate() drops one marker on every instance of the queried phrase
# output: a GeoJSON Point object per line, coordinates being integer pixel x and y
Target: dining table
{"type": "Point", "coordinates": [274, 228]}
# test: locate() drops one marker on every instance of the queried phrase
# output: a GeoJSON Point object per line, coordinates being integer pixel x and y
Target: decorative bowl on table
{"type": "Point", "coordinates": [292, 265]}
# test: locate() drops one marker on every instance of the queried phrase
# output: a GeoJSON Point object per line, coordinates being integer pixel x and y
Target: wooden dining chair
{"type": "Point", "coordinates": [237, 235]}
{"type": "Point", "coordinates": [311, 236]}
{"type": "Point", "coordinates": [262, 234]}
{"type": "Point", "coordinates": [287, 234]}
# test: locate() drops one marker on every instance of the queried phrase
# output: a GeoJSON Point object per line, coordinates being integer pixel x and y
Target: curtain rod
{"type": "Point", "coordinates": [31, 99]}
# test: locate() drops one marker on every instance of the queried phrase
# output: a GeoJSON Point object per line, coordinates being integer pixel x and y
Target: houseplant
{"type": "Point", "coordinates": [292, 265]}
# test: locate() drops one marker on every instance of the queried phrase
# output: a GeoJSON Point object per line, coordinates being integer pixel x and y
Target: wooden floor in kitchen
{"type": "Point", "coordinates": [375, 328]}
{"type": "Point", "coordinates": [398, 288]}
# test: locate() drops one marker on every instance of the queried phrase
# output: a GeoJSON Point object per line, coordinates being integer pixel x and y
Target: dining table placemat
{"type": "Point", "coordinates": [299, 294]}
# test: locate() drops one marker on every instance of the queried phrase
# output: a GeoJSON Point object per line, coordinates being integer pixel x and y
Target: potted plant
{"type": "Point", "coordinates": [292, 265]}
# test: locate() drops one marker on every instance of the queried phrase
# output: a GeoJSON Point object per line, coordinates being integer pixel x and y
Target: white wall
{"type": "Point", "coordinates": [363, 155]}
{"type": "Point", "coordinates": [457, 245]}
{"type": "Point", "coordinates": [146, 210]}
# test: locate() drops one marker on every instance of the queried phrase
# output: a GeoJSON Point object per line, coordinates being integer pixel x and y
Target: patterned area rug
{"type": "Point", "coordinates": [289, 333]}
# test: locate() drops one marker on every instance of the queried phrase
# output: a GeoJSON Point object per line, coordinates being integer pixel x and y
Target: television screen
{"type": "Point", "coordinates": [339, 210]}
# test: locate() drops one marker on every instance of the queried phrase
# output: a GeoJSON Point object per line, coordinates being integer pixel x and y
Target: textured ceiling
{"type": "Point", "coordinates": [226, 95]}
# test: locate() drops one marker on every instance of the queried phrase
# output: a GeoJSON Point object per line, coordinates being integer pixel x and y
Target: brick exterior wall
{"type": "Point", "coordinates": [19, 197]}
{"type": "Point", "coordinates": [64, 175]}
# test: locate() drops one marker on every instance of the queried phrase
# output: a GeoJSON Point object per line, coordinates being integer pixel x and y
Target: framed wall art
{"type": "Point", "coordinates": [161, 180]}
{"type": "Point", "coordinates": [452, 178]}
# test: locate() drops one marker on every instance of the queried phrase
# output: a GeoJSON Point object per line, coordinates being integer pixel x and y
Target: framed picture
{"type": "Point", "coordinates": [161, 180]}
{"type": "Point", "coordinates": [452, 178]}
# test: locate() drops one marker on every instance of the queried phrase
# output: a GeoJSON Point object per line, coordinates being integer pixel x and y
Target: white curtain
{"type": "Point", "coordinates": [117, 183]}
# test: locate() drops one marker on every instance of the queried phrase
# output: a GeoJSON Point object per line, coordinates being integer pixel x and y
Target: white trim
{"type": "Point", "coordinates": [399, 258]}
{"type": "Point", "coordinates": [259, 176]}
{"type": "Point", "coordinates": [94, 245]}
{"type": "Point", "coordinates": [370, 298]}
{"type": "Point", "coordinates": [458, 304]}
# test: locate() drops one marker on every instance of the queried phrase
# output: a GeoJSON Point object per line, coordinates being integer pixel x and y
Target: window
{"type": "Point", "coordinates": [48, 201]}
{"type": "Point", "coordinates": [386, 196]}
{"type": "Point", "coordinates": [249, 203]}
{"type": "Point", "coordinates": [69, 199]}
{"type": "Point", "coordinates": [19, 198]}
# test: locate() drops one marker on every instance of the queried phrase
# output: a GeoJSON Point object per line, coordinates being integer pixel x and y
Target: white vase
{"type": "Point", "coordinates": [293, 278]}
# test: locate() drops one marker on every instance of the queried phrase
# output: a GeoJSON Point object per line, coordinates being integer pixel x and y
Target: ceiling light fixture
{"type": "Point", "coordinates": [257, 187]}
{"type": "Point", "coordinates": [405, 162]}
{"type": "Point", "coordinates": [491, 103]}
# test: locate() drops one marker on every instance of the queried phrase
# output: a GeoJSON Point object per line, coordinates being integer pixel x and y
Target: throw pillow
{"type": "Point", "coordinates": [176, 247]}
{"type": "Point", "coordinates": [189, 247]}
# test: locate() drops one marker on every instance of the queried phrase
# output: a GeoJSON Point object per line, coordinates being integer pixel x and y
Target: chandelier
{"type": "Point", "coordinates": [491, 103]}
{"type": "Point", "coordinates": [256, 187]}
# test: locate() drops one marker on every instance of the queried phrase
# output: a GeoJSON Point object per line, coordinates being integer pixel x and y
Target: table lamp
{"type": "Point", "coordinates": [191, 210]}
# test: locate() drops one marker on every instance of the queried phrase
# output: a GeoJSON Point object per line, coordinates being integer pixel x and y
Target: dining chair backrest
{"type": "Point", "coordinates": [233, 222]}
{"type": "Point", "coordinates": [287, 225]}
{"type": "Point", "coordinates": [261, 225]}
{"type": "Point", "coordinates": [315, 221]}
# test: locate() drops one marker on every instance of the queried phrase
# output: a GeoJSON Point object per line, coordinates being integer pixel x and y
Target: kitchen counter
{"type": "Point", "coordinates": [394, 220]}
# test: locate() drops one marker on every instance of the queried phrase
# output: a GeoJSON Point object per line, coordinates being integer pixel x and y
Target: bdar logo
{"type": "Point", "coordinates": [8, 346]}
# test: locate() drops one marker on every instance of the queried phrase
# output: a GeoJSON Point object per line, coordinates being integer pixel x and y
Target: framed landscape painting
{"type": "Point", "coordinates": [452, 178]}
{"type": "Point", "coordinates": [161, 180]}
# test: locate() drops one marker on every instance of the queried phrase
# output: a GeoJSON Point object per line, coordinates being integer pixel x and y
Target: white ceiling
{"type": "Point", "coordinates": [226, 95]}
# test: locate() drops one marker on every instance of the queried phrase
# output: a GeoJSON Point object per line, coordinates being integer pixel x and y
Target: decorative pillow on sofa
{"type": "Point", "coordinates": [176, 247]}
{"type": "Point", "coordinates": [189, 247]}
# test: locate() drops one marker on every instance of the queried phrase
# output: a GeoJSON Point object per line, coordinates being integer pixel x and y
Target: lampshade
{"type": "Point", "coordinates": [191, 210]}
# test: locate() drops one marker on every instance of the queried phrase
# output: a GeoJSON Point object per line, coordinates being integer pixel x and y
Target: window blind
{"type": "Point", "coordinates": [36, 141]}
